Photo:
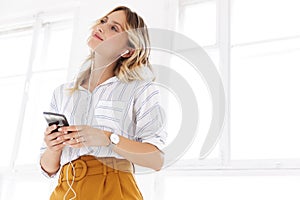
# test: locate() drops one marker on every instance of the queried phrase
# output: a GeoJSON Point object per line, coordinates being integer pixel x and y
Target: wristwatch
{"type": "Point", "coordinates": [114, 138]}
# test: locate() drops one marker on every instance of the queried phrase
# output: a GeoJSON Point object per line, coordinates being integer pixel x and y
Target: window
{"type": "Point", "coordinates": [14, 61]}
{"type": "Point", "coordinates": [198, 21]}
{"type": "Point", "coordinates": [265, 109]}
{"type": "Point", "coordinates": [51, 64]}
{"type": "Point", "coordinates": [262, 71]}
{"type": "Point", "coordinates": [265, 102]}
{"type": "Point", "coordinates": [35, 57]}
{"type": "Point", "coordinates": [257, 20]}
{"type": "Point", "coordinates": [256, 51]}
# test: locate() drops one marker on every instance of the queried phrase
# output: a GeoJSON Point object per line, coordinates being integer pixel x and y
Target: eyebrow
{"type": "Point", "coordinates": [117, 24]}
{"type": "Point", "coordinates": [106, 17]}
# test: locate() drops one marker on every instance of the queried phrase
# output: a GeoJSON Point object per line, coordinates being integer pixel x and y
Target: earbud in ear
{"type": "Point", "coordinates": [125, 52]}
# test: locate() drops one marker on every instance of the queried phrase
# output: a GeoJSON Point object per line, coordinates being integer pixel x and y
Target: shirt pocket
{"type": "Point", "coordinates": [110, 114]}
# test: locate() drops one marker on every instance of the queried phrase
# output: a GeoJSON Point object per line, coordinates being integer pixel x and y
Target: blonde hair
{"type": "Point", "coordinates": [126, 69]}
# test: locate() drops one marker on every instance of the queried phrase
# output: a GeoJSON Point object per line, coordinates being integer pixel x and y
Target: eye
{"type": "Point", "coordinates": [115, 28]}
{"type": "Point", "coordinates": [102, 21]}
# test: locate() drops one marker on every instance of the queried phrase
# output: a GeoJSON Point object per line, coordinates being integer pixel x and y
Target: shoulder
{"type": "Point", "coordinates": [146, 91]}
{"type": "Point", "coordinates": [63, 88]}
{"type": "Point", "coordinates": [146, 86]}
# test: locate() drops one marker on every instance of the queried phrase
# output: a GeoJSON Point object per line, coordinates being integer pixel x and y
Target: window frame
{"type": "Point", "coordinates": [224, 165]}
{"type": "Point", "coordinates": [17, 172]}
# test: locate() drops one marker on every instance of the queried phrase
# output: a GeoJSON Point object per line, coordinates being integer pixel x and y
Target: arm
{"type": "Point", "coordinates": [149, 122]}
{"type": "Point", "coordinates": [143, 154]}
{"type": "Point", "coordinates": [50, 159]}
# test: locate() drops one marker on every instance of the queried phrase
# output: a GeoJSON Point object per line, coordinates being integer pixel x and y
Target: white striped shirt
{"type": "Point", "coordinates": [131, 110]}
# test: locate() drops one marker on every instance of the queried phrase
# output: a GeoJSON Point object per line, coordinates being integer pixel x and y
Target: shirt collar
{"type": "Point", "coordinates": [108, 81]}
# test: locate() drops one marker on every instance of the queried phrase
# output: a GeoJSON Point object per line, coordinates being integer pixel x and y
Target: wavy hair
{"type": "Point", "coordinates": [133, 67]}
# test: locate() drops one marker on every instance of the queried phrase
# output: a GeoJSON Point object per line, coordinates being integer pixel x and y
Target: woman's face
{"type": "Point", "coordinates": [108, 36]}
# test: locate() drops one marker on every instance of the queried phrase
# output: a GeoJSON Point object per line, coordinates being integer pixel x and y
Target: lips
{"type": "Point", "coordinates": [98, 36]}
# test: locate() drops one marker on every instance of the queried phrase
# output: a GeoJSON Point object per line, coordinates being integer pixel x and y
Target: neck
{"type": "Point", "coordinates": [103, 69]}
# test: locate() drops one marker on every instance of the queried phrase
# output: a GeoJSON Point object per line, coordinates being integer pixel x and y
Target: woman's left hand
{"type": "Point", "coordinates": [80, 136]}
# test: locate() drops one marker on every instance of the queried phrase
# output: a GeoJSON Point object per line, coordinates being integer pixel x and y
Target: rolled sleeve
{"type": "Point", "coordinates": [150, 116]}
{"type": "Point", "coordinates": [157, 140]}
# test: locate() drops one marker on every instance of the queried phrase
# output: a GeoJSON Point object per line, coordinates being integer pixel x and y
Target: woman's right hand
{"type": "Point", "coordinates": [54, 140]}
{"type": "Point", "coordinates": [50, 160]}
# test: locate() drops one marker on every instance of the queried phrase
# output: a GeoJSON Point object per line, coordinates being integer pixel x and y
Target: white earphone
{"type": "Point", "coordinates": [125, 52]}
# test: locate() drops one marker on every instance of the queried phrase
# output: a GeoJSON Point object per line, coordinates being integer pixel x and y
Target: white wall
{"type": "Point", "coordinates": [21, 8]}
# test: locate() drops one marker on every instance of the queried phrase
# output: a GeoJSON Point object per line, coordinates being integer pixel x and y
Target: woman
{"type": "Point", "coordinates": [116, 115]}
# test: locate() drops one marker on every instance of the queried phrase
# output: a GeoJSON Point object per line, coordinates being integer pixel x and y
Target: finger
{"type": "Point", "coordinates": [49, 129]}
{"type": "Point", "coordinates": [70, 135]}
{"type": "Point", "coordinates": [70, 141]}
{"type": "Point", "coordinates": [57, 147]}
{"type": "Point", "coordinates": [54, 143]}
{"type": "Point", "coordinates": [70, 128]}
{"type": "Point", "coordinates": [80, 139]}
{"type": "Point", "coordinates": [58, 136]}
{"type": "Point", "coordinates": [75, 141]}
{"type": "Point", "coordinates": [78, 143]}
{"type": "Point", "coordinates": [53, 136]}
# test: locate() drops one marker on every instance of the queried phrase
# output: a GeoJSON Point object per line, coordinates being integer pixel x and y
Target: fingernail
{"type": "Point", "coordinates": [59, 138]}
{"type": "Point", "coordinates": [59, 129]}
{"type": "Point", "coordinates": [65, 132]}
{"type": "Point", "coordinates": [64, 143]}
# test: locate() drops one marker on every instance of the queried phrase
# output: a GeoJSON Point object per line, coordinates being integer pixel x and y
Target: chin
{"type": "Point", "coordinates": [92, 47]}
{"type": "Point", "coordinates": [92, 44]}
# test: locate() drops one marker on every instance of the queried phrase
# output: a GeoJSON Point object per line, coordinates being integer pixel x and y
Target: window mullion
{"type": "Point", "coordinates": [45, 46]}
{"type": "Point", "coordinates": [223, 41]}
{"type": "Point", "coordinates": [37, 27]}
{"type": "Point", "coordinates": [189, 2]}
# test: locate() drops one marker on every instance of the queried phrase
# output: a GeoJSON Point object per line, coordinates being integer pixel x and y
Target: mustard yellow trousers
{"type": "Point", "coordinates": [91, 178]}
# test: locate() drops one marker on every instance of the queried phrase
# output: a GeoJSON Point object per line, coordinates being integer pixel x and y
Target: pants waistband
{"type": "Point", "coordinates": [90, 165]}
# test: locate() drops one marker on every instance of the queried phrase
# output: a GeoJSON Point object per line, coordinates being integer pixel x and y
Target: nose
{"type": "Point", "coordinates": [100, 29]}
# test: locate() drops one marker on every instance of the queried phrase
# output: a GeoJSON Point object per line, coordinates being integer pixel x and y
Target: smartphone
{"type": "Point", "coordinates": [54, 118]}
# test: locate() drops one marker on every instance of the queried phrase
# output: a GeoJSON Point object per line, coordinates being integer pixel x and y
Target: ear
{"type": "Point", "coordinates": [127, 53]}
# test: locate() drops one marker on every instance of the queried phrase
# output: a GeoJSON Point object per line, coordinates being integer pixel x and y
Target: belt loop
{"type": "Point", "coordinates": [115, 165]}
{"type": "Point", "coordinates": [104, 167]}
{"type": "Point", "coordinates": [60, 179]}
{"type": "Point", "coordinates": [133, 167]}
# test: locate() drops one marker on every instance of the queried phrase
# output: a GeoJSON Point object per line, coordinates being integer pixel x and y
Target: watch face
{"type": "Point", "coordinates": [114, 138]}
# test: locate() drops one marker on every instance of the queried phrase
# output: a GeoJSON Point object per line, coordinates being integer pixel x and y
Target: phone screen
{"type": "Point", "coordinates": [54, 118]}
